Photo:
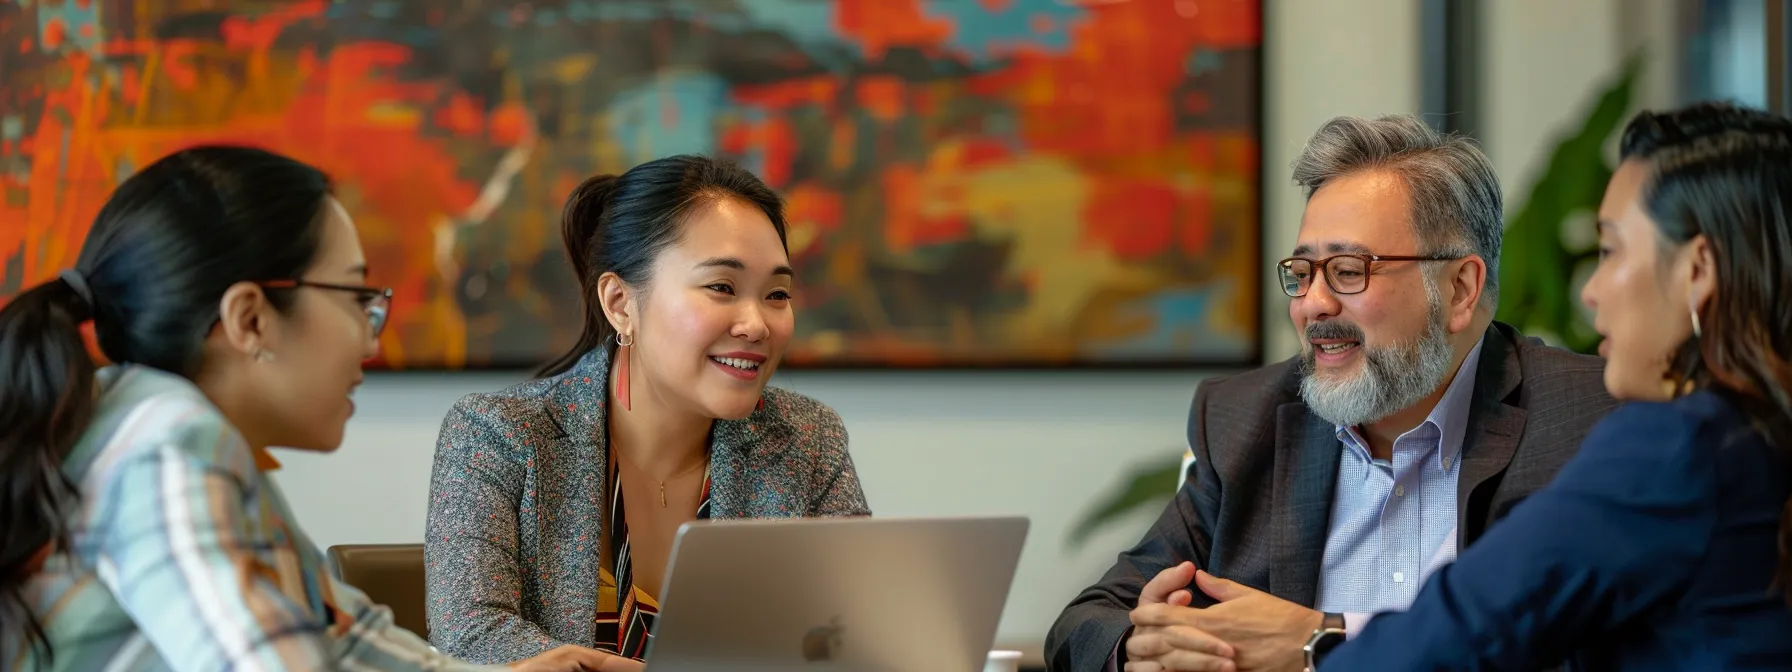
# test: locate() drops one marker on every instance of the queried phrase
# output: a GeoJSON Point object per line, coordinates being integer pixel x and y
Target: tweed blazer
{"type": "Point", "coordinates": [1256, 505]}
{"type": "Point", "coordinates": [515, 508]}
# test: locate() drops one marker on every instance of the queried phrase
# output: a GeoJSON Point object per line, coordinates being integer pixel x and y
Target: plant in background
{"type": "Point", "coordinates": [1549, 243]}
{"type": "Point", "coordinates": [1150, 486]}
{"type": "Point", "coordinates": [1548, 247]}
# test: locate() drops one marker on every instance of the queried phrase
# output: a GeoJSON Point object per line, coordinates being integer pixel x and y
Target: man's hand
{"type": "Point", "coordinates": [1169, 586]}
{"type": "Point", "coordinates": [1267, 632]}
{"type": "Point", "coordinates": [1173, 646]}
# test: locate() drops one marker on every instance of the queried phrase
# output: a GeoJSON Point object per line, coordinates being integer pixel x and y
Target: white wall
{"type": "Point", "coordinates": [1548, 62]}
{"type": "Point", "coordinates": [1324, 59]}
{"type": "Point", "coordinates": [1039, 444]}
{"type": "Point", "coordinates": [1545, 77]}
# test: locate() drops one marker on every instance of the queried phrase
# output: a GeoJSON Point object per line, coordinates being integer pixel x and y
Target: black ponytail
{"type": "Point", "coordinates": [46, 398]}
{"type": "Point", "coordinates": [160, 254]}
{"type": "Point", "coordinates": [620, 224]}
{"type": "Point", "coordinates": [579, 223]}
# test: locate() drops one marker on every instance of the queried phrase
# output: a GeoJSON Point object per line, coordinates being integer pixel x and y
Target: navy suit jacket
{"type": "Point", "coordinates": [1653, 549]}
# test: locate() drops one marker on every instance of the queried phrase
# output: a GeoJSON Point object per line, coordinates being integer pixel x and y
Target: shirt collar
{"type": "Point", "coordinates": [1451, 413]}
{"type": "Point", "coordinates": [1449, 417]}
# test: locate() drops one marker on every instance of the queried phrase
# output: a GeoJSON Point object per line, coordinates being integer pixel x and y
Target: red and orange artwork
{"type": "Point", "coordinates": [970, 182]}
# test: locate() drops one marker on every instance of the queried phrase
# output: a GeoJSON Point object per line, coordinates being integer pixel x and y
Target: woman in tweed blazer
{"type": "Point", "coordinates": [544, 495]}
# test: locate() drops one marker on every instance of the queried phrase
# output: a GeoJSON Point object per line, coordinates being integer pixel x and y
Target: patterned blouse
{"type": "Point", "coordinates": [183, 555]}
{"type": "Point", "coordinates": [625, 625]}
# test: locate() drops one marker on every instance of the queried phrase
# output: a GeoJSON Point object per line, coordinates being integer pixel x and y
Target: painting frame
{"type": "Point", "coordinates": [1252, 288]}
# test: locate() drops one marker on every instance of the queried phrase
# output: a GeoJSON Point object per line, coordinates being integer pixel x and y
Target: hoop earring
{"type": "Point", "coordinates": [623, 341]}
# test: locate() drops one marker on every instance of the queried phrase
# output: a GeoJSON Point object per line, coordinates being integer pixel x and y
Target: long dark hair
{"type": "Point", "coordinates": [621, 224]}
{"type": "Point", "coordinates": [1725, 172]}
{"type": "Point", "coordinates": [164, 248]}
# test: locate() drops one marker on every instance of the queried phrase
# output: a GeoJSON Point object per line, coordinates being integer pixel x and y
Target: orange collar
{"type": "Point", "coordinates": [265, 461]}
{"type": "Point", "coordinates": [37, 560]}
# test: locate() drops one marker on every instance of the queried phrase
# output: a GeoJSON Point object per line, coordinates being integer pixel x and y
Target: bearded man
{"type": "Point", "coordinates": [1326, 488]}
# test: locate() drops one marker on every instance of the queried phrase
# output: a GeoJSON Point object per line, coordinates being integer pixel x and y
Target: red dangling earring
{"type": "Point", "coordinates": [622, 343]}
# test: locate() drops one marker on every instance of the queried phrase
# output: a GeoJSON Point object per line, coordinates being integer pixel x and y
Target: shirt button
{"type": "Point", "coordinates": [1446, 463]}
{"type": "Point", "coordinates": [1399, 491]}
{"type": "Point", "coordinates": [1399, 577]}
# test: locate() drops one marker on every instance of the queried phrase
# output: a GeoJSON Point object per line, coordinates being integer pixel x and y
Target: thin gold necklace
{"type": "Point", "coordinates": [662, 484]}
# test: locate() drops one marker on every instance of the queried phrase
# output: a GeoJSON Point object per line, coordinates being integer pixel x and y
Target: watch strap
{"type": "Point", "coordinates": [1332, 621]}
{"type": "Point", "coordinates": [1330, 634]}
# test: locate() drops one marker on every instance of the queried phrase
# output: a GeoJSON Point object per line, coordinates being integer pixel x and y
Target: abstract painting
{"type": "Point", "coordinates": [970, 182]}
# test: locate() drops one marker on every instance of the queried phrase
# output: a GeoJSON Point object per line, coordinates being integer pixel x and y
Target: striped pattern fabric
{"type": "Point", "coordinates": [183, 555]}
{"type": "Point", "coordinates": [625, 617]}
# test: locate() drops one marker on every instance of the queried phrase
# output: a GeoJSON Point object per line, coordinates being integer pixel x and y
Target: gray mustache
{"type": "Point", "coordinates": [1334, 330]}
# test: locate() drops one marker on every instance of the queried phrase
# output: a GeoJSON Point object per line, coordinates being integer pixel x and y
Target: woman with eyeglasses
{"type": "Point", "coordinates": [138, 526]}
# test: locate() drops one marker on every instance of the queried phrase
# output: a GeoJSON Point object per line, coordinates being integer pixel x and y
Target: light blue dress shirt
{"type": "Point", "coordinates": [1393, 522]}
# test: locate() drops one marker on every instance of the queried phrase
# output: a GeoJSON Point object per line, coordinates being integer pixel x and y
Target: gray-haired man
{"type": "Point", "coordinates": [1327, 487]}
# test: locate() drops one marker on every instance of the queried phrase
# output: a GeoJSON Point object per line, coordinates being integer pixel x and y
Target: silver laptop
{"type": "Point", "coordinates": [835, 594]}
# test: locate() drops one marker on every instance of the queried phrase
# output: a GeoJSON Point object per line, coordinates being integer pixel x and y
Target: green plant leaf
{"type": "Point", "coordinates": [1536, 270]}
{"type": "Point", "coordinates": [1150, 483]}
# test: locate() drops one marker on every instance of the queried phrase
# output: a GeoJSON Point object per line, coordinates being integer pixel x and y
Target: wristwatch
{"type": "Point", "coordinates": [1329, 635]}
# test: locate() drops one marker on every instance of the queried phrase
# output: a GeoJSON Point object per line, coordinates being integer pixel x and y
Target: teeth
{"type": "Point", "coordinates": [743, 364]}
{"type": "Point", "coordinates": [1335, 348]}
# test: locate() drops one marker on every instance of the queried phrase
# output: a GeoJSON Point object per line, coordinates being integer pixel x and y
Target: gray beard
{"type": "Point", "coordinates": [1393, 377]}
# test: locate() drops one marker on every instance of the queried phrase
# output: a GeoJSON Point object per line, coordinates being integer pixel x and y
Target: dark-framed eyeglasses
{"type": "Point", "coordinates": [376, 301]}
{"type": "Point", "coordinates": [1344, 273]}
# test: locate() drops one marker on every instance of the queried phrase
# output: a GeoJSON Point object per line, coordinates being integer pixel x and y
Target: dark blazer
{"type": "Point", "coordinates": [1653, 550]}
{"type": "Point", "coordinates": [515, 505]}
{"type": "Point", "coordinates": [1254, 507]}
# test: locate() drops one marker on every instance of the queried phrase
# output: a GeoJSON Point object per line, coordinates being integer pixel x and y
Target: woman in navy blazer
{"type": "Point", "coordinates": [1664, 544]}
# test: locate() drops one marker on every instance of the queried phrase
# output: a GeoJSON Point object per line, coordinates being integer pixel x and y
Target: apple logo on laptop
{"type": "Point", "coordinates": [823, 644]}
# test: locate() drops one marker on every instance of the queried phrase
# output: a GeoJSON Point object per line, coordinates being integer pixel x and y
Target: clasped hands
{"type": "Point", "coordinates": [1248, 630]}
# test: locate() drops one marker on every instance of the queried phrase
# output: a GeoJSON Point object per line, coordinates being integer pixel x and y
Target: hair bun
{"type": "Point", "coordinates": [582, 217]}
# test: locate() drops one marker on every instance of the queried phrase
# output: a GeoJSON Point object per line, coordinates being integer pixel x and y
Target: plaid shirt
{"type": "Point", "coordinates": [183, 555]}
